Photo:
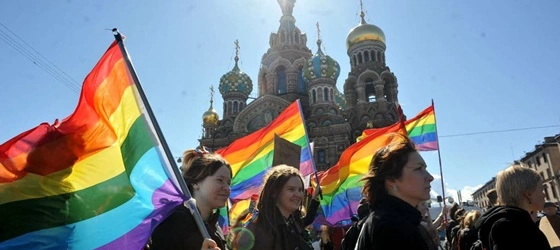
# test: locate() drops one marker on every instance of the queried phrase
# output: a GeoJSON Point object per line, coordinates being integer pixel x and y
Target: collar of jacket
{"type": "Point", "coordinates": [399, 207]}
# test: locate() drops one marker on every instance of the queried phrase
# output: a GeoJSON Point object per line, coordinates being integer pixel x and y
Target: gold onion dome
{"type": "Point", "coordinates": [364, 32]}
{"type": "Point", "coordinates": [211, 117]}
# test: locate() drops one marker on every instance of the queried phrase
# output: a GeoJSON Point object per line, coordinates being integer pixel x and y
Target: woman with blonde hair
{"type": "Point", "coordinates": [467, 234]}
{"type": "Point", "coordinates": [396, 183]}
{"type": "Point", "coordinates": [510, 225]}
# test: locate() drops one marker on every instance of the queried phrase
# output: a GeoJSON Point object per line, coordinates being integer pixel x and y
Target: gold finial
{"type": "Point", "coordinates": [362, 15]}
{"type": "Point", "coordinates": [236, 50]}
{"type": "Point", "coordinates": [318, 36]}
{"type": "Point", "coordinates": [211, 95]}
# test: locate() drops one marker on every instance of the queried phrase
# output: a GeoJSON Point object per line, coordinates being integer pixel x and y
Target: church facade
{"type": "Point", "coordinates": [290, 71]}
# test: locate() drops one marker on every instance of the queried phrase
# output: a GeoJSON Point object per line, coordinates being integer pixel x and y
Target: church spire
{"type": "Point", "coordinates": [362, 14]}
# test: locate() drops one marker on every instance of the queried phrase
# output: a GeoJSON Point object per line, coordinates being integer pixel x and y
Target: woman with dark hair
{"type": "Point", "coordinates": [208, 177]}
{"type": "Point", "coordinates": [396, 183]}
{"type": "Point", "coordinates": [279, 224]}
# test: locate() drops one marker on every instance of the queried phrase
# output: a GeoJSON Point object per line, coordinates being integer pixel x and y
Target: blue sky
{"type": "Point", "coordinates": [489, 65]}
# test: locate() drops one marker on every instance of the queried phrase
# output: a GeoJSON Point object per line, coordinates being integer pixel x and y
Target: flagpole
{"type": "Point", "coordinates": [191, 202]}
{"type": "Point", "coordinates": [439, 157]}
{"type": "Point", "coordinates": [309, 146]}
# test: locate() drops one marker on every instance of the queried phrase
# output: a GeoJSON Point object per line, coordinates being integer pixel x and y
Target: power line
{"type": "Point", "coordinates": [39, 60]}
{"type": "Point", "coordinates": [499, 131]}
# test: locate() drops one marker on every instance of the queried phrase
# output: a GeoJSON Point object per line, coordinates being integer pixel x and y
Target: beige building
{"type": "Point", "coordinates": [545, 159]}
{"type": "Point", "coordinates": [479, 196]}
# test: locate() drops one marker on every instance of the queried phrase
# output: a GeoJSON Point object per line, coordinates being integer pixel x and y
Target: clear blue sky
{"type": "Point", "coordinates": [489, 65]}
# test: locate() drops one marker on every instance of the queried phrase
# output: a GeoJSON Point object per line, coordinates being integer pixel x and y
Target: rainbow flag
{"type": "Point", "coordinates": [98, 179]}
{"type": "Point", "coordinates": [251, 156]}
{"type": "Point", "coordinates": [421, 129]}
{"type": "Point", "coordinates": [341, 189]}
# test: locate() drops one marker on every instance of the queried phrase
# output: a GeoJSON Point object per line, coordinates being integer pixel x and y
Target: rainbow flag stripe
{"type": "Point", "coordinates": [97, 179]}
{"type": "Point", "coordinates": [341, 189]}
{"type": "Point", "coordinates": [251, 156]}
{"type": "Point", "coordinates": [422, 130]}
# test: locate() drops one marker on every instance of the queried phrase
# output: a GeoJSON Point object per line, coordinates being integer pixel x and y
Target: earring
{"type": "Point", "coordinates": [395, 188]}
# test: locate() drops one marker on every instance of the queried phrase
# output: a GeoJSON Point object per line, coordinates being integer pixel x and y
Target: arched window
{"type": "Point", "coordinates": [322, 156]}
{"type": "Point", "coordinates": [366, 56]}
{"type": "Point", "coordinates": [360, 58]}
{"type": "Point", "coordinates": [326, 94]}
{"type": "Point", "coordinates": [225, 108]}
{"type": "Point", "coordinates": [281, 74]}
{"type": "Point", "coordinates": [355, 61]}
{"type": "Point", "coordinates": [300, 82]}
{"type": "Point", "coordinates": [229, 108]}
{"type": "Point", "coordinates": [235, 107]}
{"type": "Point", "coordinates": [379, 56]}
{"type": "Point", "coordinates": [370, 90]}
{"type": "Point", "coordinates": [314, 96]}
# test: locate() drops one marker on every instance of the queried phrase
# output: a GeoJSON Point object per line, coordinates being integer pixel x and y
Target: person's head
{"type": "Point", "coordinates": [459, 215]}
{"type": "Point", "coordinates": [208, 177]}
{"type": "Point", "coordinates": [492, 196]}
{"type": "Point", "coordinates": [398, 170]}
{"type": "Point", "coordinates": [550, 208]}
{"type": "Point", "coordinates": [521, 187]}
{"type": "Point", "coordinates": [453, 210]}
{"type": "Point", "coordinates": [325, 233]}
{"type": "Point", "coordinates": [470, 218]}
{"type": "Point", "coordinates": [282, 188]}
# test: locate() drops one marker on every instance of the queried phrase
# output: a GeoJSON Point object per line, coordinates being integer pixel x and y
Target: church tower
{"type": "Point", "coordinates": [327, 126]}
{"type": "Point", "coordinates": [371, 89]}
{"type": "Point", "coordinates": [210, 118]}
{"type": "Point", "coordinates": [282, 65]}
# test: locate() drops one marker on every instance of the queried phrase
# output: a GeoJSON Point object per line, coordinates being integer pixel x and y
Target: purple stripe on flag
{"type": "Point", "coordinates": [161, 199]}
{"type": "Point", "coordinates": [428, 146]}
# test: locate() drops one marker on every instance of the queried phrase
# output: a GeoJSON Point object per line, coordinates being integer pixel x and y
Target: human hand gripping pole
{"type": "Point", "coordinates": [190, 203]}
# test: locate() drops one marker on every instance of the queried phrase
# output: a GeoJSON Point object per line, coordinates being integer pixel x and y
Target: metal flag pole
{"type": "Point", "coordinates": [439, 157]}
{"type": "Point", "coordinates": [191, 202]}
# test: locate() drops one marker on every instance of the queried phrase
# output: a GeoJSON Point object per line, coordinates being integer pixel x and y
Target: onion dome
{"type": "Point", "coordinates": [210, 117]}
{"type": "Point", "coordinates": [236, 80]}
{"type": "Point", "coordinates": [320, 66]}
{"type": "Point", "coordinates": [364, 32]}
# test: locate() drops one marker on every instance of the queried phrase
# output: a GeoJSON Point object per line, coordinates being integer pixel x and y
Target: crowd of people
{"type": "Point", "coordinates": [392, 215]}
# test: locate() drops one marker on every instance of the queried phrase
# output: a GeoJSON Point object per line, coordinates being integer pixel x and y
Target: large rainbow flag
{"type": "Point", "coordinates": [98, 179]}
{"type": "Point", "coordinates": [251, 156]}
{"type": "Point", "coordinates": [341, 189]}
{"type": "Point", "coordinates": [421, 129]}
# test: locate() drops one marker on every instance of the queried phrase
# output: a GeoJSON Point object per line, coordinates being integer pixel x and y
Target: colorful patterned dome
{"type": "Point", "coordinates": [236, 81]}
{"type": "Point", "coordinates": [320, 66]}
{"type": "Point", "coordinates": [364, 32]}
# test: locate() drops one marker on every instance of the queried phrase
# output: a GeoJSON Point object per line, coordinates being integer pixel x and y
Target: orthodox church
{"type": "Point", "coordinates": [290, 71]}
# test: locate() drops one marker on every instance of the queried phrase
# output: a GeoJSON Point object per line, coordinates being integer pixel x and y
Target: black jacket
{"type": "Point", "coordinates": [285, 235]}
{"type": "Point", "coordinates": [393, 224]}
{"type": "Point", "coordinates": [507, 227]}
{"type": "Point", "coordinates": [179, 231]}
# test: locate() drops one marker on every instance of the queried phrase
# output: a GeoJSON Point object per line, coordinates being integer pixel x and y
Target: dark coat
{"type": "Point", "coordinates": [393, 224]}
{"type": "Point", "coordinates": [179, 231]}
{"type": "Point", "coordinates": [286, 234]}
{"type": "Point", "coordinates": [507, 227]}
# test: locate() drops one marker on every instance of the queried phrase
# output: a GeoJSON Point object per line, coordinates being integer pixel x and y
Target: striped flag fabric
{"type": "Point", "coordinates": [340, 184]}
{"type": "Point", "coordinates": [251, 156]}
{"type": "Point", "coordinates": [96, 180]}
